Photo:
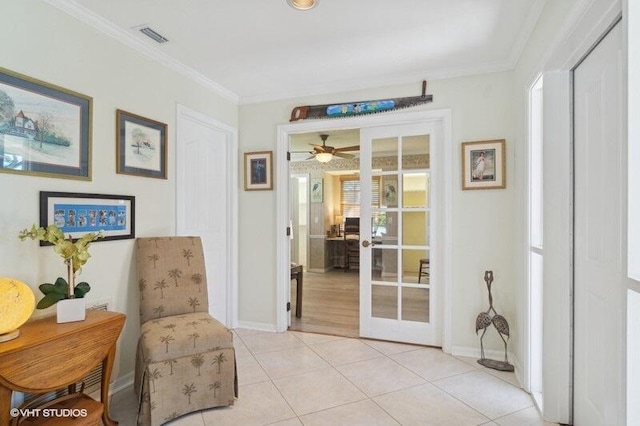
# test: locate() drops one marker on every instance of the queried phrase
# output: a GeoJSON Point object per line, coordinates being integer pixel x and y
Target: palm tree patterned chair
{"type": "Point", "coordinates": [185, 360]}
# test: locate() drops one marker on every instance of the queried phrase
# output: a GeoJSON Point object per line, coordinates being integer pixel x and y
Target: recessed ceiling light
{"type": "Point", "coordinates": [303, 4]}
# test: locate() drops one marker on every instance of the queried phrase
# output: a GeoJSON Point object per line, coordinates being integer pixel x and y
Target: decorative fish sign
{"type": "Point", "coordinates": [359, 108]}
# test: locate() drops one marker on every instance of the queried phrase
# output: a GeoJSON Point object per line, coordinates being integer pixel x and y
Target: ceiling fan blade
{"type": "Point", "coordinates": [343, 155]}
{"type": "Point", "coordinates": [319, 149]}
{"type": "Point", "coordinates": [348, 148]}
{"type": "Point", "coordinates": [310, 158]}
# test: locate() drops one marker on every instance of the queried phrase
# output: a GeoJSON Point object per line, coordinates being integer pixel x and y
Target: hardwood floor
{"type": "Point", "coordinates": [330, 303]}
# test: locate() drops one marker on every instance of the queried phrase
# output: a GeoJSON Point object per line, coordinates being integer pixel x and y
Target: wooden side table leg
{"type": "Point", "coordinates": [5, 406]}
{"type": "Point", "coordinates": [107, 365]}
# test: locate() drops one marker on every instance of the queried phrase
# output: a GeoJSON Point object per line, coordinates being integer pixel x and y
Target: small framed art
{"type": "Point", "coordinates": [484, 165]}
{"type": "Point", "coordinates": [141, 146]}
{"type": "Point", "coordinates": [258, 174]}
{"type": "Point", "coordinates": [317, 190]}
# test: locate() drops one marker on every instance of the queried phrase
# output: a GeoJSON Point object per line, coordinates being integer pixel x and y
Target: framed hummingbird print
{"type": "Point", "coordinates": [258, 174]}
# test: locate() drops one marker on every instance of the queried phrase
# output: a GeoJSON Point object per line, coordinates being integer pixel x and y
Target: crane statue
{"type": "Point", "coordinates": [484, 320]}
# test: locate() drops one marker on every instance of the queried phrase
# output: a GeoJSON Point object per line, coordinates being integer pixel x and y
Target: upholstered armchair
{"type": "Point", "coordinates": [185, 360]}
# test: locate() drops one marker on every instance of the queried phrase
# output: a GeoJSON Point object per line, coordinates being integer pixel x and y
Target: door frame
{"type": "Point", "coordinates": [443, 116]}
{"type": "Point", "coordinates": [184, 113]}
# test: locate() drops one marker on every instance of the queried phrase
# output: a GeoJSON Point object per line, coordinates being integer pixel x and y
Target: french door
{"type": "Point", "coordinates": [399, 257]}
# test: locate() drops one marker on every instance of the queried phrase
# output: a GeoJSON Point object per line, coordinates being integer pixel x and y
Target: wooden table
{"type": "Point", "coordinates": [296, 273]}
{"type": "Point", "coordinates": [48, 356]}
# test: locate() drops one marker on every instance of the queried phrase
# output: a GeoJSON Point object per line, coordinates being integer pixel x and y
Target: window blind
{"type": "Point", "coordinates": [350, 195]}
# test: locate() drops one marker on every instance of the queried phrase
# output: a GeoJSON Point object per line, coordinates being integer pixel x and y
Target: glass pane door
{"type": "Point", "coordinates": [397, 297]}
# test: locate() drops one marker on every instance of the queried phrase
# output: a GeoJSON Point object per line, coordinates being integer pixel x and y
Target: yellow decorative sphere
{"type": "Point", "coordinates": [17, 302]}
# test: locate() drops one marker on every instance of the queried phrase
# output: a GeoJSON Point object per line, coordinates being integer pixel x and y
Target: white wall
{"type": "Point", "coordinates": [47, 44]}
{"type": "Point", "coordinates": [483, 221]}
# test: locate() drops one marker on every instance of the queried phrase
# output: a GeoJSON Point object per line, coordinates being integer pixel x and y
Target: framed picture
{"type": "Point", "coordinates": [76, 214]}
{"type": "Point", "coordinates": [484, 165]}
{"type": "Point", "coordinates": [45, 130]}
{"type": "Point", "coordinates": [317, 190]}
{"type": "Point", "coordinates": [258, 174]}
{"type": "Point", "coordinates": [141, 146]}
{"type": "Point", "coordinates": [390, 193]}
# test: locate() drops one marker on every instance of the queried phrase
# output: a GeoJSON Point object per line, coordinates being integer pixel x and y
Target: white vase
{"type": "Point", "coordinates": [70, 310]}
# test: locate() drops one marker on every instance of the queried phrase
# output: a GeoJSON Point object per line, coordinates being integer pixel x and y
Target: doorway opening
{"type": "Point", "coordinates": [436, 123]}
{"type": "Point", "coordinates": [323, 196]}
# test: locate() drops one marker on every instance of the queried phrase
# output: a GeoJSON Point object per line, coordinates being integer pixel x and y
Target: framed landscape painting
{"type": "Point", "coordinates": [484, 165]}
{"type": "Point", "coordinates": [44, 129]}
{"type": "Point", "coordinates": [141, 146]}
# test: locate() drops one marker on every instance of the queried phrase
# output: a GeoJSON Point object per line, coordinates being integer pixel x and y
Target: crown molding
{"type": "Point", "coordinates": [526, 30]}
{"type": "Point", "coordinates": [107, 27]}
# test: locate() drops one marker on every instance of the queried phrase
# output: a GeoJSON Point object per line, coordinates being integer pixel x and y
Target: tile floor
{"type": "Point", "coordinates": [296, 378]}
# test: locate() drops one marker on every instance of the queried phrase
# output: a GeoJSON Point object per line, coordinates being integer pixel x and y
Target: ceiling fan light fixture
{"type": "Point", "coordinates": [324, 157]}
{"type": "Point", "coordinates": [303, 4]}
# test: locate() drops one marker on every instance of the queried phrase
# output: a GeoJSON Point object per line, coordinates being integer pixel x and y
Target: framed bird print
{"type": "Point", "coordinates": [484, 165]}
{"type": "Point", "coordinates": [389, 192]}
{"type": "Point", "coordinates": [141, 146]}
{"type": "Point", "coordinates": [317, 190]}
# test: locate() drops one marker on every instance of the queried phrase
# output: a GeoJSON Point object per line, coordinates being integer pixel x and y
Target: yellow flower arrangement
{"type": "Point", "coordinates": [75, 255]}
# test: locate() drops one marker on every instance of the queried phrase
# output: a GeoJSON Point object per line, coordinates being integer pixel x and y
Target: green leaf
{"type": "Point", "coordinates": [49, 300]}
{"type": "Point", "coordinates": [81, 289]}
{"type": "Point", "coordinates": [48, 288]}
{"type": "Point", "coordinates": [62, 284]}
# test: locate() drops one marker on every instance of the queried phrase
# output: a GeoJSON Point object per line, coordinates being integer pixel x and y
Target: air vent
{"type": "Point", "coordinates": [154, 35]}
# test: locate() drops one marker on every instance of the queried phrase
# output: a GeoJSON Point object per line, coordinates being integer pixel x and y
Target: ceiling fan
{"type": "Point", "coordinates": [325, 153]}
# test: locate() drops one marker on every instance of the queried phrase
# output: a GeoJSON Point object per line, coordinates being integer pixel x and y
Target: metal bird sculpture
{"type": "Point", "coordinates": [484, 320]}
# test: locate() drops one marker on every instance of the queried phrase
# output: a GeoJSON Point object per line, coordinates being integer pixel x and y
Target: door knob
{"type": "Point", "coordinates": [367, 243]}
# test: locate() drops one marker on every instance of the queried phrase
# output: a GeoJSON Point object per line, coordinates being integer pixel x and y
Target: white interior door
{"type": "Point", "coordinates": [599, 275]}
{"type": "Point", "coordinates": [398, 224]}
{"type": "Point", "coordinates": [206, 158]}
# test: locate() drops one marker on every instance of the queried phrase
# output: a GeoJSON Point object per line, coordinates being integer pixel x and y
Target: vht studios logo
{"type": "Point", "coordinates": [49, 412]}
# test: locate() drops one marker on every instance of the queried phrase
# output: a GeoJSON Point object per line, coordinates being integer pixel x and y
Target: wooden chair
{"type": "Point", "coordinates": [186, 360]}
{"type": "Point", "coordinates": [424, 269]}
{"type": "Point", "coordinates": [351, 238]}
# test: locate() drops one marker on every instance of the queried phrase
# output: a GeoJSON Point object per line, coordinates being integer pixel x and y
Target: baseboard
{"type": "Point", "coordinates": [259, 326]}
{"type": "Point", "coordinates": [122, 382]}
